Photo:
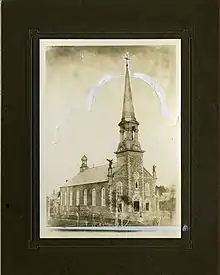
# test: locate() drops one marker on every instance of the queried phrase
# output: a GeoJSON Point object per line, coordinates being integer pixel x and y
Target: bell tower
{"type": "Point", "coordinates": [129, 152]}
{"type": "Point", "coordinates": [128, 124]}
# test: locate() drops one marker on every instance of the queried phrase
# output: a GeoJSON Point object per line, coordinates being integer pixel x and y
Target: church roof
{"type": "Point", "coordinates": [92, 175]}
{"type": "Point", "coordinates": [96, 174]}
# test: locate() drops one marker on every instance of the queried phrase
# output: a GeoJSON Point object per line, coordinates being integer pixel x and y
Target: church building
{"type": "Point", "coordinates": [115, 189]}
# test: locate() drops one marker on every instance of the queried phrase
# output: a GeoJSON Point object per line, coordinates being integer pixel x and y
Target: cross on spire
{"type": "Point", "coordinates": [127, 58]}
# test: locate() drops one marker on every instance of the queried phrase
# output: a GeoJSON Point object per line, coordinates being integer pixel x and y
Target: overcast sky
{"type": "Point", "coordinates": [70, 75]}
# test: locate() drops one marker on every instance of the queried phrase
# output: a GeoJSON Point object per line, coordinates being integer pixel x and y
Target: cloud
{"type": "Point", "coordinates": [55, 53]}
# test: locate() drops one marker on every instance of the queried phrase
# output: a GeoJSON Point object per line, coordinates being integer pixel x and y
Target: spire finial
{"type": "Point", "coordinates": [127, 59]}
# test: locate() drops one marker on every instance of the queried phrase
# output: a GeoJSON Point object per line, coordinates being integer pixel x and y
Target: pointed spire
{"type": "Point", "coordinates": [128, 108]}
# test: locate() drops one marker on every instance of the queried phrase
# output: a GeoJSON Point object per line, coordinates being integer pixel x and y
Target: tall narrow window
{"type": "Point", "coordinates": [136, 184]}
{"type": "Point", "coordinates": [120, 207]}
{"type": "Point", "coordinates": [65, 198]}
{"type": "Point", "coordinates": [133, 129]}
{"type": "Point", "coordinates": [77, 197]}
{"type": "Point", "coordinates": [103, 196]}
{"type": "Point", "coordinates": [120, 188]}
{"type": "Point", "coordinates": [61, 197]}
{"type": "Point", "coordinates": [147, 206]}
{"type": "Point", "coordinates": [147, 189]}
{"type": "Point", "coordinates": [136, 206]}
{"type": "Point", "coordinates": [71, 197]}
{"type": "Point", "coordinates": [93, 197]}
{"type": "Point", "coordinates": [85, 197]}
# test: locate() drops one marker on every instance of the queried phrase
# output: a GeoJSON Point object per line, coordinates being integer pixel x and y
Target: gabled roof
{"type": "Point", "coordinates": [92, 175]}
{"type": "Point", "coordinates": [148, 173]}
{"type": "Point", "coordinates": [96, 174]}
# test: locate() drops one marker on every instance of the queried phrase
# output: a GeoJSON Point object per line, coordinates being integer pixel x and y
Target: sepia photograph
{"type": "Point", "coordinates": [110, 138]}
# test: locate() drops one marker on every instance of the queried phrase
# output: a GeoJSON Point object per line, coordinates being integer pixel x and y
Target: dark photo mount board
{"type": "Point", "coordinates": [23, 24]}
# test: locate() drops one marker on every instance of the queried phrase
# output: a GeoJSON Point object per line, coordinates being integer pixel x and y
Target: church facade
{"type": "Point", "coordinates": [124, 189]}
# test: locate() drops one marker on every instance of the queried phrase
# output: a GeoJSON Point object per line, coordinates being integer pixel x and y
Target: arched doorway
{"type": "Point", "coordinates": [136, 206]}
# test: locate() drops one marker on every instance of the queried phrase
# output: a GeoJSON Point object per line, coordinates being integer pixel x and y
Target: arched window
{"type": "Point", "coordinates": [65, 198]}
{"type": "Point", "coordinates": [85, 196]}
{"type": "Point", "coordinates": [71, 197]}
{"type": "Point", "coordinates": [120, 188]}
{"type": "Point", "coordinates": [120, 207]}
{"type": "Point", "coordinates": [61, 197]}
{"type": "Point", "coordinates": [136, 184]}
{"type": "Point", "coordinates": [103, 196]}
{"type": "Point", "coordinates": [146, 187]}
{"type": "Point", "coordinates": [77, 197]}
{"type": "Point", "coordinates": [93, 197]}
{"type": "Point", "coordinates": [133, 130]}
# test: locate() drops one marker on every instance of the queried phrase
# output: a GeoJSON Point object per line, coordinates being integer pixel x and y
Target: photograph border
{"type": "Point", "coordinates": [22, 251]}
{"type": "Point", "coordinates": [186, 36]}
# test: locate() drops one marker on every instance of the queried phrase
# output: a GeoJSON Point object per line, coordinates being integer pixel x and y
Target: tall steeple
{"type": "Point", "coordinates": [128, 124]}
{"type": "Point", "coordinates": [128, 107]}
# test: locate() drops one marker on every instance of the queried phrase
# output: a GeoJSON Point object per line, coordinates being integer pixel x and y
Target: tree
{"type": "Point", "coordinates": [118, 202]}
{"type": "Point", "coordinates": [170, 204]}
{"type": "Point", "coordinates": [161, 190]}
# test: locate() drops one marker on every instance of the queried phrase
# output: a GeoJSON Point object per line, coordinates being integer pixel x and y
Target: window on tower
{"type": "Point", "coordinates": [133, 130]}
{"type": "Point", "coordinates": [136, 206]}
{"type": "Point", "coordinates": [120, 207]}
{"type": "Point", "coordinates": [147, 188]}
{"type": "Point", "coordinates": [136, 184]}
{"type": "Point", "coordinates": [120, 188]}
{"type": "Point", "coordinates": [147, 206]}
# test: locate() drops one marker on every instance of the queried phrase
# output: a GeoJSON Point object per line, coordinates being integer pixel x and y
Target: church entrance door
{"type": "Point", "coordinates": [136, 206]}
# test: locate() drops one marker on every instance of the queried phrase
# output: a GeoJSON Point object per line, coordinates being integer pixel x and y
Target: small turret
{"type": "Point", "coordinates": [154, 171]}
{"type": "Point", "coordinates": [83, 166]}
